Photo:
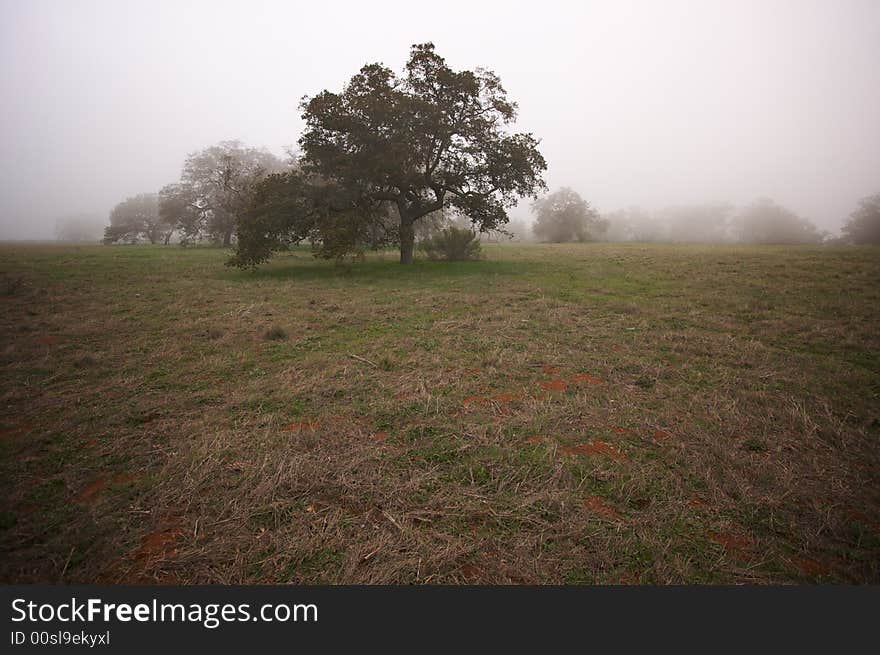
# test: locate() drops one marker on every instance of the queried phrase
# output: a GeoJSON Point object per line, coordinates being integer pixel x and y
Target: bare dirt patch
{"type": "Point", "coordinates": [555, 384]}
{"type": "Point", "coordinates": [586, 378]}
{"type": "Point", "coordinates": [596, 447]}
{"type": "Point", "coordinates": [92, 491]}
{"type": "Point", "coordinates": [600, 506]}
{"type": "Point", "coordinates": [738, 546]}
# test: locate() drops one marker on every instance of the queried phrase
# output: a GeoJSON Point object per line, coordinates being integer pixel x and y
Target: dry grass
{"type": "Point", "coordinates": [565, 414]}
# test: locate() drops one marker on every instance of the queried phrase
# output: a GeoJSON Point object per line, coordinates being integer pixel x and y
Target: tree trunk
{"type": "Point", "coordinates": [227, 238]}
{"type": "Point", "coordinates": [407, 242]}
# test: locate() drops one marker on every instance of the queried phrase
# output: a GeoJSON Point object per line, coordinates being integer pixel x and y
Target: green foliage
{"type": "Point", "coordinates": [452, 244]}
{"type": "Point", "coordinates": [291, 207]}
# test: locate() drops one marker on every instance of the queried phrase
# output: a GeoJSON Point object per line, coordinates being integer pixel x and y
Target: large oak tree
{"type": "Point", "coordinates": [402, 146]}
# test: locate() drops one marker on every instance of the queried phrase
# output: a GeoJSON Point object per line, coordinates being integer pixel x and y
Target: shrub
{"type": "Point", "coordinates": [452, 244]}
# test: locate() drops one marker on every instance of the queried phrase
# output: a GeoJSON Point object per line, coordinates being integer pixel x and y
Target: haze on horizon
{"type": "Point", "coordinates": [646, 104]}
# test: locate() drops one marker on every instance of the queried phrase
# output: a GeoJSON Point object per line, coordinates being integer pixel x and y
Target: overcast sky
{"type": "Point", "coordinates": [636, 103]}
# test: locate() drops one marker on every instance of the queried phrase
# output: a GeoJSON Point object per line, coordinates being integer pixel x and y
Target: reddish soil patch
{"type": "Point", "coordinates": [93, 490]}
{"type": "Point", "coordinates": [157, 544]}
{"type": "Point", "coordinates": [301, 425]}
{"type": "Point", "coordinates": [475, 400]}
{"type": "Point", "coordinates": [49, 340]}
{"type": "Point", "coordinates": [661, 435]}
{"type": "Point", "coordinates": [731, 542]}
{"type": "Point", "coordinates": [553, 385]}
{"type": "Point", "coordinates": [811, 567]}
{"type": "Point", "coordinates": [379, 436]}
{"type": "Point", "coordinates": [549, 369]}
{"type": "Point", "coordinates": [586, 378]}
{"type": "Point", "coordinates": [506, 397]}
{"type": "Point", "coordinates": [595, 448]}
{"type": "Point", "coordinates": [537, 438]}
{"type": "Point", "coordinates": [600, 506]}
{"type": "Point", "coordinates": [616, 348]}
{"type": "Point", "coordinates": [619, 430]}
{"type": "Point", "coordinates": [470, 572]}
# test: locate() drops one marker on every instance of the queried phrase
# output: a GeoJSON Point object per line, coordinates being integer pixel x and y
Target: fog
{"type": "Point", "coordinates": [646, 104]}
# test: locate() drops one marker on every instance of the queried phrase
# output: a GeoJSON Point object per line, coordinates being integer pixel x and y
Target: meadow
{"type": "Point", "coordinates": [583, 414]}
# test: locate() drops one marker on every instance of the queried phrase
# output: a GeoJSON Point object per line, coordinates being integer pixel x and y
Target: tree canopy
{"type": "Point", "coordinates": [765, 222]}
{"type": "Point", "coordinates": [134, 219]}
{"type": "Point", "coordinates": [864, 223]}
{"type": "Point", "coordinates": [215, 188]}
{"type": "Point", "coordinates": [565, 216]}
{"type": "Point", "coordinates": [390, 149]}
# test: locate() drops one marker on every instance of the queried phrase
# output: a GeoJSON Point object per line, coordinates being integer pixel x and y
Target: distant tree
{"type": "Point", "coordinates": [633, 224]}
{"type": "Point", "coordinates": [215, 188]}
{"type": "Point", "coordinates": [135, 218]}
{"type": "Point", "coordinates": [81, 227]}
{"type": "Point", "coordinates": [697, 223]}
{"type": "Point", "coordinates": [864, 223]}
{"type": "Point", "coordinates": [429, 139]}
{"type": "Point", "coordinates": [565, 216]}
{"type": "Point", "coordinates": [179, 212]}
{"type": "Point", "coordinates": [765, 222]}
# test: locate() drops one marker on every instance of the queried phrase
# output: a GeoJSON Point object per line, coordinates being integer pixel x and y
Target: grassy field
{"type": "Point", "coordinates": [591, 413]}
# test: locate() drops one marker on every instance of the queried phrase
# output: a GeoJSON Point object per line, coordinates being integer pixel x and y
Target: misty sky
{"type": "Point", "coordinates": [637, 103]}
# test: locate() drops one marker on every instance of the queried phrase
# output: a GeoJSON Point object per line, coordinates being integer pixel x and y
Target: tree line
{"type": "Point", "coordinates": [215, 187]}
{"type": "Point", "coordinates": [398, 157]}
{"type": "Point", "coordinates": [564, 216]}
